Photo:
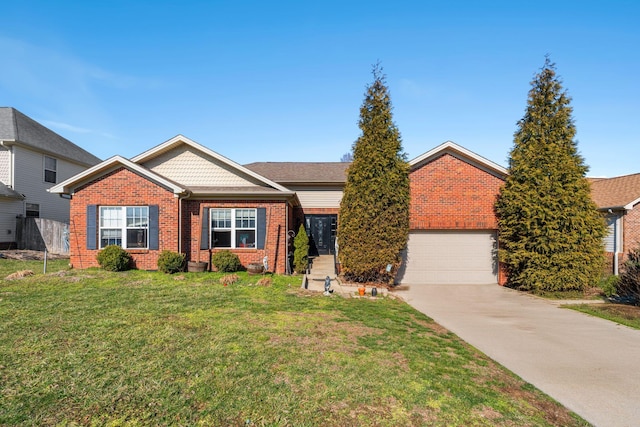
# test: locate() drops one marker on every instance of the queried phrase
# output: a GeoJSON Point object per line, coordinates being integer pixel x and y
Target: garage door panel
{"type": "Point", "coordinates": [450, 257]}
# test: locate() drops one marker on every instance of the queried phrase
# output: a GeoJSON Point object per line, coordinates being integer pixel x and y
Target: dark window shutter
{"type": "Point", "coordinates": [262, 227]}
{"type": "Point", "coordinates": [92, 234]}
{"type": "Point", "coordinates": [154, 232]}
{"type": "Point", "coordinates": [204, 232]}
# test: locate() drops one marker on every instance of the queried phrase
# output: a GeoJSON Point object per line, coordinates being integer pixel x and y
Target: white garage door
{"type": "Point", "coordinates": [450, 257]}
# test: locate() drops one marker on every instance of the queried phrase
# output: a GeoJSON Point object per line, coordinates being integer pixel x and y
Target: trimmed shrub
{"type": "Point", "coordinates": [170, 262]}
{"type": "Point", "coordinates": [301, 251]}
{"type": "Point", "coordinates": [226, 262]}
{"type": "Point", "coordinates": [114, 258]}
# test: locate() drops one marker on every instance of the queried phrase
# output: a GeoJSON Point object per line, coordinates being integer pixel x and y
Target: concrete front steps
{"type": "Point", "coordinates": [323, 266]}
{"type": "Point", "coordinates": [320, 267]}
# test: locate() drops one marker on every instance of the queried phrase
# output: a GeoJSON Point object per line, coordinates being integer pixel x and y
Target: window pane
{"type": "Point", "coordinates": [110, 237]}
{"type": "Point", "coordinates": [111, 217]}
{"type": "Point", "coordinates": [50, 163]}
{"type": "Point", "coordinates": [137, 216]}
{"type": "Point", "coordinates": [221, 239]}
{"type": "Point", "coordinates": [50, 169]}
{"type": "Point", "coordinates": [137, 238]}
{"type": "Point", "coordinates": [245, 218]}
{"type": "Point", "coordinates": [49, 176]}
{"type": "Point", "coordinates": [220, 218]}
{"type": "Point", "coordinates": [246, 239]}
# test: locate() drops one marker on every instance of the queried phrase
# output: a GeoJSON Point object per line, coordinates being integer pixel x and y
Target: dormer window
{"type": "Point", "coordinates": [50, 169]}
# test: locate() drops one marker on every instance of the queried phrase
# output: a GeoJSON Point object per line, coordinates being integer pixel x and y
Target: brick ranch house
{"type": "Point", "coordinates": [184, 197]}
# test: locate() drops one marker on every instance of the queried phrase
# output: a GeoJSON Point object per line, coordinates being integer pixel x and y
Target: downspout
{"type": "Point", "coordinates": [286, 238]}
{"type": "Point", "coordinates": [615, 246]}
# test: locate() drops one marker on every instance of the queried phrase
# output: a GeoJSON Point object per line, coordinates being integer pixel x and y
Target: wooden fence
{"type": "Point", "coordinates": [39, 234]}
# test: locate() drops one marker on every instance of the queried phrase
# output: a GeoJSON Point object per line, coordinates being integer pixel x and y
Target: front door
{"type": "Point", "coordinates": [320, 234]}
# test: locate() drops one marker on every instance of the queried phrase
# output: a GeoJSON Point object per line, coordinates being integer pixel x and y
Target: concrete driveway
{"type": "Point", "coordinates": [590, 365]}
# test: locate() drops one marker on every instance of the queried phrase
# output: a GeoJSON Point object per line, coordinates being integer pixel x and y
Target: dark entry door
{"type": "Point", "coordinates": [320, 227]}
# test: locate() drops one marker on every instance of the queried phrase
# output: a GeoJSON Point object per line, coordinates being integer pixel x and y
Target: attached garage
{"type": "Point", "coordinates": [450, 257]}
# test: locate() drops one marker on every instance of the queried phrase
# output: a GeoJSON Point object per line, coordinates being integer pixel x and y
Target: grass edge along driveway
{"type": "Point", "coordinates": [143, 348]}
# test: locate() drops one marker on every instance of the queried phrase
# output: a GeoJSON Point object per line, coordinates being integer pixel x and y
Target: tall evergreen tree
{"type": "Point", "coordinates": [373, 224]}
{"type": "Point", "coordinates": [550, 232]}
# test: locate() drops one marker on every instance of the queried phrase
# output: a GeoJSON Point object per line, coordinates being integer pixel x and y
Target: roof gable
{"type": "Point", "coordinates": [461, 153]}
{"type": "Point", "coordinates": [68, 186]}
{"type": "Point", "coordinates": [186, 168]}
{"type": "Point", "coordinates": [174, 158]}
{"type": "Point", "coordinates": [17, 128]}
{"type": "Point", "coordinates": [192, 167]}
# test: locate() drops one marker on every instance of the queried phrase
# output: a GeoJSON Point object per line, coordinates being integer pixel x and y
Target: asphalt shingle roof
{"type": "Point", "coordinates": [616, 192]}
{"type": "Point", "coordinates": [15, 126]}
{"type": "Point", "coordinates": [9, 192]}
{"type": "Point", "coordinates": [302, 172]}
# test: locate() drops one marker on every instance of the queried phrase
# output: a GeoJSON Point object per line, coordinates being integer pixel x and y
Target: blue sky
{"type": "Point", "coordinates": [283, 81]}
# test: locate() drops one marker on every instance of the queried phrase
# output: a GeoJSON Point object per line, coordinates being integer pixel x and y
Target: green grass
{"type": "Point", "coordinates": [8, 266]}
{"type": "Point", "coordinates": [590, 294]}
{"type": "Point", "coordinates": [619, 313]}
{"type": "Point", "coordinates": [87, 347]}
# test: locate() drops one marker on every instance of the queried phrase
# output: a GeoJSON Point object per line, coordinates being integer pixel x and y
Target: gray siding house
{"type": "Point", "coordinates": [33, 158]}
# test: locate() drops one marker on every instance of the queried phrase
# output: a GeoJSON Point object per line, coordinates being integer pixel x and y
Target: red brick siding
{"type": "Point", "coordinates": [125, 188]}
{"type": "Point", "coordinates": [608, 262]}
{"type": "Point", "coordinates": [448, 193]}
{"type": "Point", "coordinates": [122, 188]}
{"type": "Point", "coordinates": [631, 229]}
{"type": "Point", "coordinates": [275, 241]}
{"type": "Point", "coordinates": [502, 274]}
{"type": "Point", "coordinates": [320, 211]}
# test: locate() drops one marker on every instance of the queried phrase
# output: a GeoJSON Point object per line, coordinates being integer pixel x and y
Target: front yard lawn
{"type": "Point", "coordinates": [143, 348]}
{"type": "Point", "coordinates": [623, 314]}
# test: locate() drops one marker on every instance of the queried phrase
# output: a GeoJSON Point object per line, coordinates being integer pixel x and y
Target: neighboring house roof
{"type": "Point", "coordinates": [622, 192]}
{"type": "Point", "coordinates": [302, 172]}
{"type": "Point", "coordinates": [109, 165]}
{"type": "Point", "coordinates": [9, 192]}
{"type": "Point", "coordinates": [462, 153]}
{"type": "Point", "coordinates": [18, 129]}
